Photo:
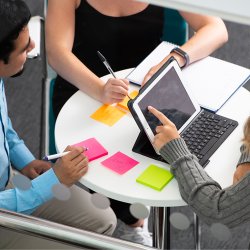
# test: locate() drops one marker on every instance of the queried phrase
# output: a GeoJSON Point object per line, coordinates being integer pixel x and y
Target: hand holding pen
{"type": "Point", "coordinates": [118, 89]}
{"type": "Point", "coordinates": [58, 155]}
{"type": "Point", "coordinates": [72, 166]}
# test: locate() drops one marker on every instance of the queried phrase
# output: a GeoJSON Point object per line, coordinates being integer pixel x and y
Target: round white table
{"type": "Point", "coordinates": [74, 125]}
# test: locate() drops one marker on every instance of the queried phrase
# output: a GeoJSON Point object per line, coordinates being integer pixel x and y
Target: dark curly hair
{"type": "Point", "coordinates": [14, 16]}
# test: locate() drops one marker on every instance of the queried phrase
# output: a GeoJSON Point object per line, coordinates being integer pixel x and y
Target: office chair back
{"type": "Point", "coordinates": [51, 140]}
{"type": "Point", "coordinates": [175, 28]}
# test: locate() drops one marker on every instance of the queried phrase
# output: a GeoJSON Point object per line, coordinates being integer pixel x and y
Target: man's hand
{"type": "Point", "coordinates": [166, 132]}
{"type": "Point", "coordinates": [71, 167]}
{"type": "Point", "coordinates": [115, 90]}
{"type": "Point", "coordinates": [241, 171]}
{"type": "Point", "coordinates": [35, 168]}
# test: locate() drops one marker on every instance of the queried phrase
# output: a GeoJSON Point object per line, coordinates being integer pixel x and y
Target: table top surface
{"type": "Point", "coordinates": [74, 125]}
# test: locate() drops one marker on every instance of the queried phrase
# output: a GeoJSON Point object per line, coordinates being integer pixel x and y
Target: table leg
{"type": "Point", "coordinates": [197, 232]}
{"type": "Point", "coordinates": [161, 227]}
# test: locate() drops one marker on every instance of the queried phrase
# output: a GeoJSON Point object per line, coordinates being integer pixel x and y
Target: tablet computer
{"type": "Point", "coordinates": [167, 92]}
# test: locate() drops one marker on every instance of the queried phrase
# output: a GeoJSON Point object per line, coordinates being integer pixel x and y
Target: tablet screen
{"type": "Point", "coordinates": [171, 98]}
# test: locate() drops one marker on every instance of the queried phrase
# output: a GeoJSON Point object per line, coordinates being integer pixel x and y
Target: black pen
{"type": "Point", "coordinates": [106, 64]}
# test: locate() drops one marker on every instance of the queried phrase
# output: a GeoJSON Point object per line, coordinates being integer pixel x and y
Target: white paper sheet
{"type": "Point", "coordinates": [211, 80]}
{"type": "Point", "coordinates": [35, 34]}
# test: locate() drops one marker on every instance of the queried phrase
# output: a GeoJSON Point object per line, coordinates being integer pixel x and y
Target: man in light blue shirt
{"type": "Point", "coordinates": [38, 200]}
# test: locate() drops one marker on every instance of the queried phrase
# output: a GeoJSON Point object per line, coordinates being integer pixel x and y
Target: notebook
{"type": "Point", "coordinates": [211, 80]}
{"type": "Point", "coordinates": [35, 34]}
{"type": "Point", "coordinates": [168, 92]}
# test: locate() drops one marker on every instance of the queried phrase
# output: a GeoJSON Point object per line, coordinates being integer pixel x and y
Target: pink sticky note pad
{"type": "Point", "coordinates": [95, 149]}
{"type": "Point", "coordinates": [119, 163]}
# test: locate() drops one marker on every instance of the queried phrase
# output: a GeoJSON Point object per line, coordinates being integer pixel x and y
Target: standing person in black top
{"type": "Point", "coordinates": [125, 31]}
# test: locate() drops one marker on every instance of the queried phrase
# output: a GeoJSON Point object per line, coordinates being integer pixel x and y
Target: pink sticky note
{"type": "Point", "coordinates": [119, 163]}
{"type": "Point", "coordinates": [95, 149]}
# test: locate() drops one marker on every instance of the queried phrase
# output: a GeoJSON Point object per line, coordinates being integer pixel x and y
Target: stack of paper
{"type": "Point", "coordinates": [212, 81]}
{"type": "Point", "coordinates": [35, 34]}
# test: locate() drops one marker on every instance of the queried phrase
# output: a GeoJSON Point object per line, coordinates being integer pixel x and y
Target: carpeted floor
{"type": "Point", "coordinates": [25, 100]}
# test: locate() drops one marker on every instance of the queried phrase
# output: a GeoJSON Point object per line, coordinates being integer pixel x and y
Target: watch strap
{"type": "Point", "coordinates": [183, 54]}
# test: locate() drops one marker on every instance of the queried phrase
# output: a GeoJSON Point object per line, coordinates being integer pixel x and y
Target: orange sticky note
{"type": "Point", "coordinates": [108, 115]}
{"type": "Point", "coordinates": [123, 104]}
{"type": "Point", "coordinates": [133, 94]}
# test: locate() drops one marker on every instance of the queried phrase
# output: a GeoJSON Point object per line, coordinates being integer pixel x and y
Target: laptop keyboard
{"type": "Point", "coordinates": [206, 133]}
{"type": "Point", "coordinates": [203, 137]}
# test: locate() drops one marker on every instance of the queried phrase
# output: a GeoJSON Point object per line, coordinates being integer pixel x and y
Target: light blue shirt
{"type": "Point", "coordinates": [14, 151]}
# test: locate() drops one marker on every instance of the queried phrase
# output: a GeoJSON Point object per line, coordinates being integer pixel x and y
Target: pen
{"type": "Point", "coordinates": [56, 156]}
{"type": "Point", "coordinates": [106, 64]}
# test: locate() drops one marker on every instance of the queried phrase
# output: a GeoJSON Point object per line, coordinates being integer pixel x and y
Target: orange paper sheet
{"type": "Point", "coordinates": [108, 115]}
{"type": "Point", "coordinates": [123, 104]}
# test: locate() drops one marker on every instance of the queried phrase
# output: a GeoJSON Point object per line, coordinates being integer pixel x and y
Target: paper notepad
{"type": "Point", "coordinates": [124, 103]}
{"type": "Point", "coordinates": [155, 177]}
{"type": "Point", "coordinates": [108, 114]}
{"type": "Point", "coordinates": [120, 163]}
{"type": "Point", "coordinates": [212, 81]}
{"type": "Point", "coordinates": [95, 149]}
{"type": "Point", "coordinates": [35, 34]}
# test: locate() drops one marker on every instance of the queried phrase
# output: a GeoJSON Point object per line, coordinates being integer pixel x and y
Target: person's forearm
{"type": "Point", "coordinates": [68, 66]}
{"type": "Point", "coordinates": [201, 45]}
{"type": "Point", "coordinates": [205, 41]}
{"type": "Point", "coordinates": [211, 203]}
{"type": "Point", "coordinates": [210, 33]}
{"type": "Point", "coordinates": [26, 201]}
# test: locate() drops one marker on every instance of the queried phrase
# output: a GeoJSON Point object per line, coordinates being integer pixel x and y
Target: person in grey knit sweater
{"type": "Point", "coordinates": [229, 206]}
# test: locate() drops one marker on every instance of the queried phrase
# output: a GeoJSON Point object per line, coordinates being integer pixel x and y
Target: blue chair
{"type": "Point", "coordinates": [51, 139]}
{"type": "Point", "coordinates": [175, 28]}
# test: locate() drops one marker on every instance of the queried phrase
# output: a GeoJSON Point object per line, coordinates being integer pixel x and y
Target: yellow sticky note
{"type": "Point", "coordinates": [155, 177]}
{"type": "Point", "coordinates": [133, 94]}
{"type": "Point", "coordinates": [123, 104]}
{"type": "Point", "coordinates": [108, 115]}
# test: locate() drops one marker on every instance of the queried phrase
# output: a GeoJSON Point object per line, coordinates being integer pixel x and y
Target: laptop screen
{"type": "Point", "coordinates": [171, 98]}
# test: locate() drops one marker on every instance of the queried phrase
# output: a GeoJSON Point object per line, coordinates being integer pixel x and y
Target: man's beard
{"type": "Point", "coordinates": [19, 73]}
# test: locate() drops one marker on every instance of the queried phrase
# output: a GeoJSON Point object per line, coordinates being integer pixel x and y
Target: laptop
{"type": "Point", "coordinates": [203, 130]}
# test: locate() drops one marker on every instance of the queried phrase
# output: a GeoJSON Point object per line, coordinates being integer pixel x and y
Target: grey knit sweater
{"type": "Point", "coordinates": [229, 206]}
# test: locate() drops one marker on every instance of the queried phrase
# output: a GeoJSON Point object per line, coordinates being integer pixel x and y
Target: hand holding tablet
{"type": "Point", "coordinates": [203, 130]}
{"type": "Point", "coordinates": [165, 92]}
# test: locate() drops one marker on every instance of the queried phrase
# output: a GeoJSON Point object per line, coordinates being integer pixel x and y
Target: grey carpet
{"type": "Point", "coordinates": [24, 95]}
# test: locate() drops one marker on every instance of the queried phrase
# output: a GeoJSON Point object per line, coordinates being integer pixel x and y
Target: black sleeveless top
{"type": "Point", "coordinates": [124, 41]}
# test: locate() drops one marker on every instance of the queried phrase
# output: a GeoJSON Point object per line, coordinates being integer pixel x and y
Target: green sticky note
{"type": "Point", "coordinates": [155, 177]}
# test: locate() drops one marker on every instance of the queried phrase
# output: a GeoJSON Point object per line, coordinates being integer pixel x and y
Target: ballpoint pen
{"type": "Point", "coordinates": [105, 62]}
{"type": "Point", "coordinates": [56, 156]}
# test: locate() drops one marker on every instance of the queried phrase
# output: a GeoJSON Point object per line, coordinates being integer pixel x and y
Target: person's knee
{"type": "Point", "coordinates": [107, 223]}
{"type": "Point", "coordinates": [99, 221]}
